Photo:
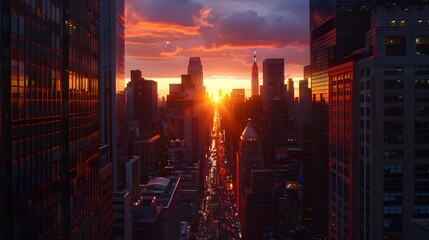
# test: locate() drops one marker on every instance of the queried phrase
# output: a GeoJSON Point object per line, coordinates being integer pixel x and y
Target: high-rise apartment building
{"type": "Point", "coordinates": [49, 156]}
{"type": "Point", "coordinates": [378, 133]}
{"type": "Point", "coordinates": [255, 76]}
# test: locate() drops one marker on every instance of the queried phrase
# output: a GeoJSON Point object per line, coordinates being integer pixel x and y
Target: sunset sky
{"type": "Point", "coordinates": [161, 35]}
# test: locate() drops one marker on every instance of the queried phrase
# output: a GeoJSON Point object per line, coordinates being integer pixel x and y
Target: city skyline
{"type": "Point", "coordinates": [172, 156]}
{"type": "Point", "coordinates": [222, 33]}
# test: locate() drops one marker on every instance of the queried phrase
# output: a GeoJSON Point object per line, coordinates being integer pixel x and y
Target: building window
{"type": "Point", "coordinates": [393, 154]}
{"type": "Point", "coordinates": [402, 23]}
{"type": "Point", "coordinates": [421, 129]}
{"type": "Point", "coordinates": [393, 127]}
{"type": "Point", "coordinates": [393, 22]}
{"type": "Point", "coordinates": [421, 153]}
{"type": "Point", "coordinates": [422, 45]}
{"type": "Point", "coordinates": [390, 71]}
{"type": "Point", "coordinates": [393, 98]}
{"type": "Point", "coordinates": [420, 22]}
{"type": "Point", "coordinates": [421, 111]}
{"type": "Point", "coordinates": [393, 84]}
{"type": "Point", "coordinates": [393, 138]}
{"type": "Point", "coordinates": [393, 111]}
{"type": "Point", "coordinates": [421, 98]}
{"type": "Point", "coordinates": [421, 83]}
{"type": "Point", "coordinates": [395, 46]}
{"type": "Point", "coordinates": [421, 70]}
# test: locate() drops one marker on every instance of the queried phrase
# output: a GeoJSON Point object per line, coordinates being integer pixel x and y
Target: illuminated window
{"type": "Point", "coordinates": [393, 22]}
{"type": "Point", "coordinates": [422, 45]}
{"type": "Point", "coordinates": [395, 46]}
{"type": "Point", "coordinates": [402, 23]}
{"type": "Point", "coordinates": [420, 21]}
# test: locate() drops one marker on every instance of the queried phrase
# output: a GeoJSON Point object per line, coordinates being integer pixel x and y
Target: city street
{"type": "Point", "coordinates": [219, 216]}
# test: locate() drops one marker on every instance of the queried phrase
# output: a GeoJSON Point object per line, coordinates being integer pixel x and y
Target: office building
{"type": "Point", "coordinates": [238, 96]}
{"type": "Point", "coordinates": [260, 211]}
{"type": "Point", "coordinates": [111, 73]}
{"type": "Point", "coordinates": [247, 159]}
{"type": "Point", "coordinates": [290, 93]}
{"type": "Point", "coordinates": [122, 217]}
{"type": "Point", "coordinates": [273, 79]}
{"type": "Point", "coordinates": [378, 136]}
{"type": "Point", "coordinates": [195, 70]}
{"type": "Point", "coordinates": [150, 152]}
{"type": "Point", "coordinates": [49, 120]}
{"type": "Point", "coordinates": [157, 214]}
{"type": "Point", "coordinates": [145, 103]}
{"type": "Point", "coordinates": [337, 28]}
{"type": "Point", "coordinates": [112, 77]}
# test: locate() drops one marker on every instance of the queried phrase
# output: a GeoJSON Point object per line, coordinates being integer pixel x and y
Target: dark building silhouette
{"type": "Point", "coordinates": [255, 76]}
{"type": "Point", "coordinates": [195, 70]}
{"type": "Point", "coordinates": [290, 93]}
{"type": "Point", "coordinates": [49, 127]}
{"type": "Point", "coordinates": [112, 74]}
{"type": "Point", "coordinates": [273, 80]}
{"type": "Point", "coordinates": [259, 205]}
{"type": "Point", "coordinates": [247, 159]}
{"type": "Point", "coordinates": [144, 103]}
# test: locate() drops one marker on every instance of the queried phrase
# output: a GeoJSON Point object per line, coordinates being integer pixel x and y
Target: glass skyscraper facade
{"type": "Point", "coordinates": [337, 28]}
{"type": "Point", "coordinates": [49, 126]}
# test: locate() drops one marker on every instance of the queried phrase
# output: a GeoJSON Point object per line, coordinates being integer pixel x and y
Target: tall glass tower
{"type": "Point", "coordinates": [49, 119]}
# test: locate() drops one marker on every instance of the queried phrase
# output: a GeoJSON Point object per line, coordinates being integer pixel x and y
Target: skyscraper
{"type": "Point", "coordinates": [145, 103]}
{"type": "Point", "coordinates": [112, 71]}
{"type": "Point", "coordinates": [49, 156]}
{"type": "Point", "coordinates": [290, 92]}
{"type": "Point", "coordinates": [247, 159]}
{"type": "Point", "coordinates": [378, 136]}
{"type": "Point", "coordinates": [273, 79]}
{"type": "Point", "coordinates": [337, 28]}
{"type": "Point", "coordinates": [255, 76]}
{"type": "Point", "coordinates": [195, 70]}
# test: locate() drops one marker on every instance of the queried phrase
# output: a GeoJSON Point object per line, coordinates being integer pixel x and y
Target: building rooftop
{"type": "Point", "coordinates": [163, 188]}
{"type": "Point", "coordinates": [249, 133]}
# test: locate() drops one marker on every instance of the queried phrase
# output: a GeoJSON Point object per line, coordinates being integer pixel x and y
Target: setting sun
{"type": "Point", "coordinates": [216, 98]}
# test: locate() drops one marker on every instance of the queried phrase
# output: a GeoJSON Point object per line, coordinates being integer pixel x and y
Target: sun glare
{"type": "Point", "coordinates": [216, 98]}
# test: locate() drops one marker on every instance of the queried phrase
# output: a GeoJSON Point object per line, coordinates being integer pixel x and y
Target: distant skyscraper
{"type": "Point", "coordinates": [136, 75]}
{"type": "Point", "coordinates": [144, 101]}
{"type": "Point", "coordinates": [273, 80]}
{"type": "Point", "coordinates": [49, 124]}
{"type": "Point", "coordinates": [195, 70]}
{"type": "Point", "coordinates": [290, 91]}
{"type": "Point", "coordinates": [255, 76]}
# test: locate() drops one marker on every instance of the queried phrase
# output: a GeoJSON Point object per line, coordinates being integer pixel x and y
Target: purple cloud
{"type": "Point", "coordinates": [249, 28]}
{"type": "Point", "coordinates": [182, 12]}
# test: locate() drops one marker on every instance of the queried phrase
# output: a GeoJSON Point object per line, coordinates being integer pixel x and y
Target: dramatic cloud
{"type": "Point", "coordinates": [249, 29]}
{"type": "Point", "coordinates": [181, 12]}
{"type": "Point", "coordinates": [161, 35]}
